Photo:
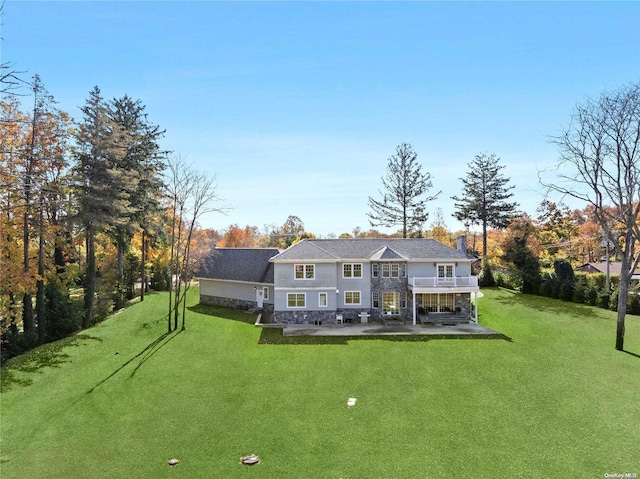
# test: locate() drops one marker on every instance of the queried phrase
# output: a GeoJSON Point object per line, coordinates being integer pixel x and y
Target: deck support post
{"type": "Point", "coordinates": [475, 299]}
{"type": "Point", "coordinates": [414, 307]}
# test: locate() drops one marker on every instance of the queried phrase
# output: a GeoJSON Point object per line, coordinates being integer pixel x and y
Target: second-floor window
{"type": "Point", "coordinates": [445, 273]}
{"type": "Point", "coordinates": [304, 271]}
{"type": "Point", "coordinates": [375, 270]}
{"type": "Point", "coordinates": [390, 270]}
{"type": "Point", "coordinates": [350, 270]}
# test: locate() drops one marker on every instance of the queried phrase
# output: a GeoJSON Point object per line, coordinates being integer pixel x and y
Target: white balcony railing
{"type": "Point", "coordinates": [436, 282]}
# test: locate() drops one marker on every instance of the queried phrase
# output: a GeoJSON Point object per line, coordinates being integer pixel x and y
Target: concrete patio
{"type": "Point", "coordinates": [372, 329]}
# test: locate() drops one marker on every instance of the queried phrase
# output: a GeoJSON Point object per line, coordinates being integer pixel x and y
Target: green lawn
{"type": "Point", "coordinates": [119, 400]}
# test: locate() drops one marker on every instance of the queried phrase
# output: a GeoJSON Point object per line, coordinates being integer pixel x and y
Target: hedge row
{"type": "Point", "coordinates": [582, 288]}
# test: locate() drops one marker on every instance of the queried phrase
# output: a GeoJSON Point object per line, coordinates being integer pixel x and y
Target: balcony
{"type": "Point", "coordinates": [436, 284]}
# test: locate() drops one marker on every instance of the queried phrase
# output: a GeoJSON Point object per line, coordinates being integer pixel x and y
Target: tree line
{"type": "Point", "coordinates": [90, 208]}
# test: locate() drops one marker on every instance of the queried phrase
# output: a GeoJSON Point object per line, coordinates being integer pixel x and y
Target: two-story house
{"type": "Point", "coordinates": [328, 280]}
{"type": "Point", "coordinates": [334, 280]}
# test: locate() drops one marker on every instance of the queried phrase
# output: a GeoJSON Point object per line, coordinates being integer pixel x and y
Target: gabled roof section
{"type": "Point", "coordinates": [303, 250]}
{"type": "Point", "coordinates": [239, 264]}
{"type": "Point", "coordinates": [387, 253]}
{"type": "Point", "coordinates": [370, 250]}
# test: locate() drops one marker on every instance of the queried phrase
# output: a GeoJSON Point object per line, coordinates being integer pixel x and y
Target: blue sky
{"type": "Point", "coordinates": [296, 106]}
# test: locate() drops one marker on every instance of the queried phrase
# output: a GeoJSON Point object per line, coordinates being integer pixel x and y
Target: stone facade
{"type": "Point", "coordinates": [304, 317]}
{"type": "Point", "coordinates": [392, 285]}
{"type": "Point", "coordinates": [233, 303]}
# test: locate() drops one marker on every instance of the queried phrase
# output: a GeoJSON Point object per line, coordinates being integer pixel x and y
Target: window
{"type": "Point", "coordinates": [265, 293]}
{"type": "Point", "coordinates": [395, 270]}
{"type": "Point", "coordinates": [375, 300]}
{"type": "Point", "coordinates": [403, 266]}
{"type": "Point", "coordinates": [446, 302]}
{"type": "Point", "coordinates": [403, 300]}
{"type": "Point", "coordinates": [296, 300]}
{"type": "Point", "coordinates": [352, 297]}
{"type": "Point", "coordinates": [390, 303]}
{"type": "Point", "coordinates": [305, 271]}
{"type": "Point", "coordinates": [322, 300]}
{"type": "Point", "coordinates": [445, 273]}
{"type": "Point", "coordinates": [351, 270]}
{"type": "Point", "coordinates": [390, 270]}
{"type": "Point", "coordinates": [375, 270]}
{"type": "Point", "coordinates": [438, 303]}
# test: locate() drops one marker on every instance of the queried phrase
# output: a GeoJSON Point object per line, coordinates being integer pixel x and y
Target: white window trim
{"type": "Point", "coordinates": [391, 313]}
{"type": "Point", "coordinates": [297, 307]}
{"type": "Point", "coordinates": [390, 270]}
{"type": "Point", "coordinates": [446, 279]}
{"type": "Point", "coordinates": [326, 300]}
{"type": "Point", "coordinates": [304, 272]}
{"type": "Point", "coordinates": [352, 270]}
{"type": "Point", "coordinates": [375, 270]}
{"type": "Point", "coordinates": [375, 298]}
{"type": "Point", "coordinates": [353, 304]}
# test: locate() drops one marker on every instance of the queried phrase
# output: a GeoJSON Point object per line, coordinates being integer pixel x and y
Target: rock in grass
{"type": "Point", "coordinates": [249, 460]}
{"type": "Point", "coordinates": [173, 462]}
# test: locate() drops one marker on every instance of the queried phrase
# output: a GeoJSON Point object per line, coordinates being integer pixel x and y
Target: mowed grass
{"type": "Point", "coordinates": [122, 398]}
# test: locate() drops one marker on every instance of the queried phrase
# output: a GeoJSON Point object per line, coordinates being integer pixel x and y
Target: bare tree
{"type": "Point", "coordinates": [9, 77]}
{"type": "Point", "coordinates": [193, 194]}
{"type": "Point", "coordinates": [600, 164]}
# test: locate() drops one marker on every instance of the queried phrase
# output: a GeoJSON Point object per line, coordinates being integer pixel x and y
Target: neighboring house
{"type": "Point", "coordinates": [614, 269]}
{"type": "Point", "coordinates": [240, 278]}
{"type": "Point", "coordinates": [384, 280]}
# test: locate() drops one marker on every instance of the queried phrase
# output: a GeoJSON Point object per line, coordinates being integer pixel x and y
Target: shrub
{"type": "Point", "coordinates": [633, 302]}
{"type": "Point", "coordinates": [486, 280]}
{"type": "Point", "coordinates": [565, 279]}
{"type": "Point", "coordinates": [580, 289]}
{"type": "Point", "coordinates": [603, 299]}
{"type": "Point", "coordinates": [64, 316]}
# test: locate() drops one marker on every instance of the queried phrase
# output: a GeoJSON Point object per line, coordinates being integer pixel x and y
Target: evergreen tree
{"type": "Point", "coordinates": [102, 188]}
{"type": "Point", "coordinates": [140, 166]}
{"type": "Point", "coordinates": [403, 202]}
{"type": "Point", "coordinates": [484, 198]}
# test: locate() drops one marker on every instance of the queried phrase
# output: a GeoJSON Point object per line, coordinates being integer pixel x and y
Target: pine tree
{"type": "Point", "coordinates": [101, 187]}
{"type": "Point", "coordinates": [141, 166]}
{"type": "Point", "coordinates": [403, 202]}
{"type": "Point", "coordinates": [485, 195]}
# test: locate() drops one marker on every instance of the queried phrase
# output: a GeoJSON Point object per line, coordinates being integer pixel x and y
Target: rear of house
{"type": "Point", "coordinates": [383, 280]}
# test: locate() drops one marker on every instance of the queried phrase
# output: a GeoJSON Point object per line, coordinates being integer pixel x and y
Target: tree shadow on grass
{"type": "Point", "coordinates": [275, 336]}
{"type": "Point", "coordinates": [545, 304]}
{"type": "Point", "coordinates": [51, 355]}
{"type": "Point", "coordinates": [144, 355]}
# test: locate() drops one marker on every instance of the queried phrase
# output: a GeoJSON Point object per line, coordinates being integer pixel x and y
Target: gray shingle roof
{"type": "Point", "coordinates": [370, 249]}
{"type": "Point", "coordinates": [239, 264]}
